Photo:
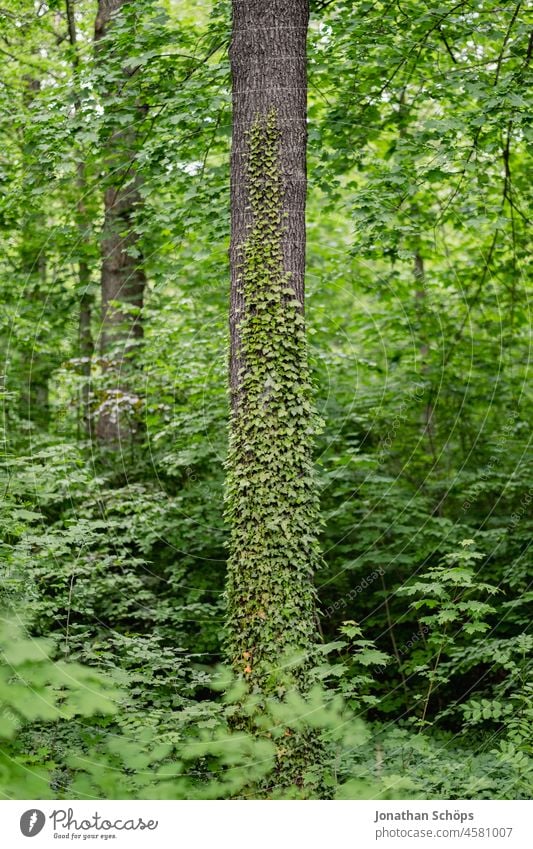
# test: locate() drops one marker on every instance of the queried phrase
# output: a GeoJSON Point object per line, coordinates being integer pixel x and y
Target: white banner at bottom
{"type": "Point", "coordinates": [268, 825]}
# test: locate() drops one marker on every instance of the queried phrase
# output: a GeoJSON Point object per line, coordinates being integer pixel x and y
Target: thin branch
{"type": "Point", "coordinates": [505, 40]}
{"type": "Point", "coordinates": [447, 46]}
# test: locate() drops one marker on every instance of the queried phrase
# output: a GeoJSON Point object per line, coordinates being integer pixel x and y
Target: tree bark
{"type": "Point", "coordinates": [269, 72]}
{"type": "Point", "coordinates": [38, 363]}
{"type": "Point", "coordinates": [86, 351]}
{"type": "Point", "coordinates": [272, 500]}
{"type": "Point", "coordinates": [85, 339]}
{"type": "Point", "coordinates": [37, 366]}
{"type": "Point", "coordinates": [428, 422]}
{"type": "Point", "coordinates": [122, 275]}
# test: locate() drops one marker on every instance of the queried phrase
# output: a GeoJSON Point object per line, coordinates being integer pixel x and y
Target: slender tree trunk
{"type": "Point", "coordinates": [428, 423]}
{"type": "Point", "coordinates": [37, 365]}
{"type": "Point", "coordinates": [85, 339]}
{"type": "Point", "coordinates": [420, 298]}
{"type": "Point", "coordinates": [122, 276]}
{"type": "Point", "coordinates": [271, 493]}
{"type": "Point", "coordinates": [86, 351]}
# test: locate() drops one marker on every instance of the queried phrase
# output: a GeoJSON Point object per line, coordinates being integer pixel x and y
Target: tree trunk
{"type": "Point", "coordinates": [37, 365]}
{"type": "Point", "coordinates": [86, 351]}
{"type": "Point", "coordinates": [272, 502]}
{"type": "Point", "coordinates": [85, 339]}
{"type": "Point", "coordinates": [428, 423]}
{"type": "Point", "coordinates": [122, 276]}
{"type": "Point", "coordinates": [269, 72]}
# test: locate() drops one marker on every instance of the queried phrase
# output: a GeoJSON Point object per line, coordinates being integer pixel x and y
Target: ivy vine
{"type": "Point", "coordinates": [272, 499]}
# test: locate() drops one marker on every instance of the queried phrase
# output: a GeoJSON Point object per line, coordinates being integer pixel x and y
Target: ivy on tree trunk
{"type": "Point", "coordinates": [272, 501]}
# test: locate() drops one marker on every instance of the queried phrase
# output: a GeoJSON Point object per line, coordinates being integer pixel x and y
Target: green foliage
{"type": "Point", "coordinates": [443, 765]}
{"type": "Point", "coordinates": [417, 313]}
{"type": "Point", "coordinates": [35, 689]}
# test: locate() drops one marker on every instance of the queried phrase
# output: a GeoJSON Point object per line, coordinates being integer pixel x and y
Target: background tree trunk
{"type": "Point", "coordinates": [38, 364]}
{"type": "Point", "coordinates": [428, 416]}
{"type": "Point", "coordinates": [85, 339]}
{"type": "Point", "coordinates": [86, 351]}
{"type": "Point", "coordinates": [122, 276]}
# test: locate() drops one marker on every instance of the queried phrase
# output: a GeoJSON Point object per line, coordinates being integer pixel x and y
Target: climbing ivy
{"type": "Point", "coordinates": [272, 501]}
